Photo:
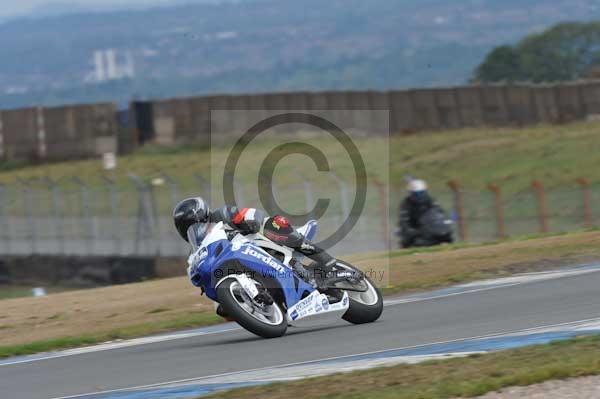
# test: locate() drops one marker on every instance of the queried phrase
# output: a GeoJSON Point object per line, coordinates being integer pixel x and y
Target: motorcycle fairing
{"type": "Point", "coordinates": [317, 303]}
{"type": "Point", "coordinates": [219, 251]}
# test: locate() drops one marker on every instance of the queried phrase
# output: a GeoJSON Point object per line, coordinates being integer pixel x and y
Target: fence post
{"type": "Point", "coordinates": [173, 188]}
{"type": "Point", "coordinates": [459, 207]}
{"type": "Point", "coordinates": [385, 229]}
{"type": "Point", "coordinates": [343, 194]}
{"type": "Point", "coordinates": [587, 202]}
{"type": "Point", "coordinates": [114, 210]}
{"type": "Point", "coordinates": [5, 222]}
{"type": "Point", "coordinates": [204, 183]}
{"type": "Point", "coordinates": [56, 213]}
{"type": "Point", "coordinates": [28, 204]}
{"type": "Point", "coordinates": [175, 198]}
{"type": "Point", "coordinates": [308, 193]}
{"type": "Point", "coordinates": [146, 217]}
{"type": "Point", "coordinates": [240, 194]}
{"type": "Point", "coordinates": [308, 197]}
{"type": "Point", "coordinates": [229, 176]}
{"type": "Point", "coordinates": [499, 210]}
{"type": "Point", "coordinates": [84, 201]}
{"type": "Point", "coordinates": [274, 198]}
{"type": "Point", "coordinates": [541, 204]}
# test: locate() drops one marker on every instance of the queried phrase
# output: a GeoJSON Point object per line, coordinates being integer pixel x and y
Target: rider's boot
{"type": "Point", "coordinates": [323, 272]}
{"type": "Point", "coordinates": [322, 267]}
{"type": "Point", "coordinates": [280, 231]}
{"type": "Point", "coordinates": [324, 276]}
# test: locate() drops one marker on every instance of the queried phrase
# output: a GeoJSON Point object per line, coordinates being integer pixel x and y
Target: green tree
{"type": "Point", "coordinates": [564, 52]}
{"type": "Point", "coordinates": [502, 63]}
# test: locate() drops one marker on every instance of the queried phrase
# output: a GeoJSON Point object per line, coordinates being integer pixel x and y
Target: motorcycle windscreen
{"type": "Point", "coordinates": [196, 233]}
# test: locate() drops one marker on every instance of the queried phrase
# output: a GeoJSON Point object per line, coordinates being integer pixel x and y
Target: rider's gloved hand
{"type": "Point", "coordinates": [249, 226]}
{"type": "Point", "coordinates": [232, 233]}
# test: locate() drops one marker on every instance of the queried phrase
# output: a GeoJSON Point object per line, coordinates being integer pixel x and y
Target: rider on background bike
{"type": "Point", "coordinates": [413, 207]}
{"type": "Point", "coordinates": [193, 215]}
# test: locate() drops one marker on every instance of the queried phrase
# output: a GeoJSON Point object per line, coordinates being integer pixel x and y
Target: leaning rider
{"type": "Point", "coordinates": [194, 213]}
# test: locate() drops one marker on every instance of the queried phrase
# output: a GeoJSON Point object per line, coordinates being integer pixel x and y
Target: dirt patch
{"type": "Point", "coordinates": [98, 310]}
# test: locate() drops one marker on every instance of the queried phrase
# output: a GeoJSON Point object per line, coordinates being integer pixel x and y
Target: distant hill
{"type": "Point", "coordinates": [262, 45]}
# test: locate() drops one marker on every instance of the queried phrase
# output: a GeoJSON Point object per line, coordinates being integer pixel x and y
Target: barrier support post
{"type": "Point", "coordinates": [385, 229]}
{"type": "Point", "coordinates": [459, 206]}
{"type": "Point", "coordinates": [499, 210]}
{"type": "Point", "coordinates": [28, 203]}
{"type": "Point", "coordinates": [541, 205]}
{"type": "Point", "coordinates": [90, 234]}
{"type": "Point", "coordinates": [57, 215]}
{"type": "Point", "coordinates": [587, 202]}
{"type": "Point", "coordinates": [115, 214]}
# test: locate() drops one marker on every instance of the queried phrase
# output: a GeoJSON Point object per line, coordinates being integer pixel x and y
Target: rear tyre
{"type": "Point", "coordinates": [267, 321]}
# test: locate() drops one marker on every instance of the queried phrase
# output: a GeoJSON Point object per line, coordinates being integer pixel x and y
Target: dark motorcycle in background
{"type": "Point", "coordinates": [435, 228]}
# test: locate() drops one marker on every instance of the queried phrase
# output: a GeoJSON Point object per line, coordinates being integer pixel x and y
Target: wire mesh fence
{"type": "Point", "coordinates": [75, 217]}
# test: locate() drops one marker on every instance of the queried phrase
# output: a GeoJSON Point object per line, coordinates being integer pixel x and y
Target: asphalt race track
{"type": "Point", "coordinates": [464, 312]}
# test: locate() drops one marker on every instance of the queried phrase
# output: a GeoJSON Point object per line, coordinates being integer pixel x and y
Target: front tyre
{"type": "Point", "coordinates": [267, 321]}
{"type": "Point", "coordinates": [365, 307]}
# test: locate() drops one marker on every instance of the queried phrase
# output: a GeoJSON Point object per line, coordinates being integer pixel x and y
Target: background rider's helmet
{"type": "Point", "coordinates": [418, 190]}
{"type": "Point", "coordinates": [188, 212]}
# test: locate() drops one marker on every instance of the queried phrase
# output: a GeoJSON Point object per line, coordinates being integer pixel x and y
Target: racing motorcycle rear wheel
{"type": "Point", "coordinates": [264, 320]}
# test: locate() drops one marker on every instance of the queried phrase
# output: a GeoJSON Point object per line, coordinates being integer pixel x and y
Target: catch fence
{"type": "Point", "coordinates": [133, 217]}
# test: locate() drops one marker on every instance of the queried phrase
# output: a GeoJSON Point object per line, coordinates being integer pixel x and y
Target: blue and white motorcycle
{"type": "Point", "coordinates": [265, 287]}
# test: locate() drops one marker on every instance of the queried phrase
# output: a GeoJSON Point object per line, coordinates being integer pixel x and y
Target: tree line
{"type": "Point", "coordinates": [566, 51]}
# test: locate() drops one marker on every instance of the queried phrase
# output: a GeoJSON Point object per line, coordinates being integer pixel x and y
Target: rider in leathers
{"type": "Point", "coordinates": [195, 211]}
{"type": "Point", "coordinates": [413, 207]}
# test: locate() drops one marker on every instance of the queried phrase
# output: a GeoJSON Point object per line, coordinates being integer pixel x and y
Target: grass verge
{"type": "Point", "coordinates": [459, 377]}
{"type": "Point", "coordinates": [187, 321]}
{"type": "Point", "coordinates": [430, 268]}
{"type": "Point", "coordinates": [474, 156]}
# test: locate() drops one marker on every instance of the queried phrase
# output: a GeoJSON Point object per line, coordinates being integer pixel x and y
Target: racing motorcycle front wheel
{"type": "Point", "coordinates": [366, 301]}
{"type": "Point", "coordinates": [264, 319]}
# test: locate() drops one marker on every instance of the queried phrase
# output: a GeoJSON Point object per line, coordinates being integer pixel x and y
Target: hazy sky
{"type": "Point", "coordinates": [24, 7]}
